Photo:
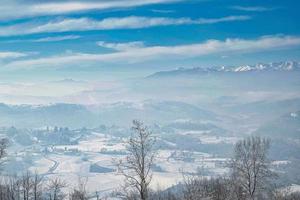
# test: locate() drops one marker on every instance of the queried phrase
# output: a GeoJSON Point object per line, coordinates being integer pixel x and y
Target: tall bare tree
{"type": "Point", "coordinates": [250, 166]}
{"type": "Point", "coordinates": [137, 166]}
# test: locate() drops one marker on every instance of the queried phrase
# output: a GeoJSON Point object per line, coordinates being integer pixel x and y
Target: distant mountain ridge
{"type": "Point", "coordinates": [34, 116]}
{"type": "Point", "coordinates": [259, 67]}
{"type": "Point", "coordinates": [77, 116]}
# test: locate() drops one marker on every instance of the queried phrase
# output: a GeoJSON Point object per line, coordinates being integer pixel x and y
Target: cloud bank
{"type": "Point", "coordinates": [251, 8]}
{"type": "Point", "coordinates": [121, 46]}
{"type": "Point", "coordinates": [143, 53]}
{"type": "Point", "coordinates": [113, 23]}
{"type": "Point", "coordinates": [16, 9]}
{"type": "Point", "coordinates": [10, 54]}
{"type": "Point", "coordinates": [57, 38]}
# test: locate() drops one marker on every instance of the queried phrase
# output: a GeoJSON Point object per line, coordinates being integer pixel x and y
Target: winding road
{"type": "Point", "coordinates": [53, 167]}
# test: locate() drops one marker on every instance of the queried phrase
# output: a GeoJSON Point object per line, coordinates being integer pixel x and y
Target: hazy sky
{"type": "Point", "coordinates": [102, 40]}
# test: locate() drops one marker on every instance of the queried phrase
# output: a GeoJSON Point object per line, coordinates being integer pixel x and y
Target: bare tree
{"type": "Point", "coordinates": [3, 187]}
{"type": "Point", "coordinates": [37, 186]}
{"type": "Point", "coordinates": [195, 187]}
{"type": "Point", "coordinates": [14, 185]}
{"type": "Point", "coordinates": [54, 188]}
{"type": "Point", "coordinates": [80, 193]}
{"type": "Point", "coordinates": [163, 195]}
{"type": "Point", "coordinates": [250, 166]}
{"type": "Point", "coordinates": [137, 166]}
{"type": "Point", "coordinates": [3, 146]}
{"type": "Point", "coordinates": [198, 187]}
{"type": "Point", "coordinates": [26, 185]}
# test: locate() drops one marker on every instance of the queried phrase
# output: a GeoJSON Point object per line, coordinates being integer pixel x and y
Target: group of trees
{"type": "Point", "coordinates": [30, 186]}
{"type": "Point", "coordinates": [33, 187]}
{"type": "Point", "coordinates": [250, 176]}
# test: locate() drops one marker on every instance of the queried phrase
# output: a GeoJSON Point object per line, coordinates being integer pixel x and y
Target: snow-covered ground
{"type": "Point", "coordinates": [96, 143]}
{"type": "Point", "coordinates": [290, 189]}
{"type": "Point", "coordinates": [206, 137]}
{"type": "Point", "coordinates": [70, 162]}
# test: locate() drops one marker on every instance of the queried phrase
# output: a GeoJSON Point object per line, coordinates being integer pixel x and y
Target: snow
{"type": "Point", "coordinates": [280, 162]}
{"type": "Point", "coordinates": [294, 115]}
{"type": "Point", "coordinates": [96, 144]}
{"type": "Point", "coordinates": [294, 188]}
{"type": "Point", "coordinates": [41, 166]}
{"type": "Point", "coordinates": [218, 140]}
{"type": "Point", "coordinates": [243, 68]}
{"type": "Point", "coordinates": [206, 137]}
{"type": "Point", "coordinates": [70, 166]}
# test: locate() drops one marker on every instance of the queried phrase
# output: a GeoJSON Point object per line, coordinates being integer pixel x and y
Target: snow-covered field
{"type": "Point", "coordinates": [205, 137]}
{"type": "Point", "coordinates": [96, 143]}
{"type": "Point", "coordinates": [70, 162]}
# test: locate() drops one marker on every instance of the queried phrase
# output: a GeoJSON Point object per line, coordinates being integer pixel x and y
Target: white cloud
{"type": "Point", "coordinates": [252, 8]}
{"type": "Point", "coordinates": [45, 39]}
{"type": "Point", "coordinates": [11, 55]}
{"type": "Point", "coordinates": [156, 53]}
{"type": "Point", "coordinates": [84, 24]}
{"type": "Point", "coordinates": [122, 46]}
{"type": "Point", "coordinates": [163, 11]}
{"type": "Point", "coordinates": [57, 38]}
{"type": "Point", "coordinates": [14, 9]}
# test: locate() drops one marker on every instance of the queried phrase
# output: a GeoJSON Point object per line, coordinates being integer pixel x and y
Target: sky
{"type": "Point", "coordinates": [111, 40]}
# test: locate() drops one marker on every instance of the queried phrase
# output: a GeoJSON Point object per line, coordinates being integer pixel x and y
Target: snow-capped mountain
{"type": "Point", "coordinates": [274, 66]}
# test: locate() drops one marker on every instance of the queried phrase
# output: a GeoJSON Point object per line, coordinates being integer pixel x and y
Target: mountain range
{"type": "Point", "coordinates": [259, 67]}
{"type": "Point", "coordinates": [77, 116]}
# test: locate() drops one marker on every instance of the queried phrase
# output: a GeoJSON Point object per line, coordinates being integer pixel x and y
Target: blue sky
{"type": "Point", "coordinates": [119, 39]}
